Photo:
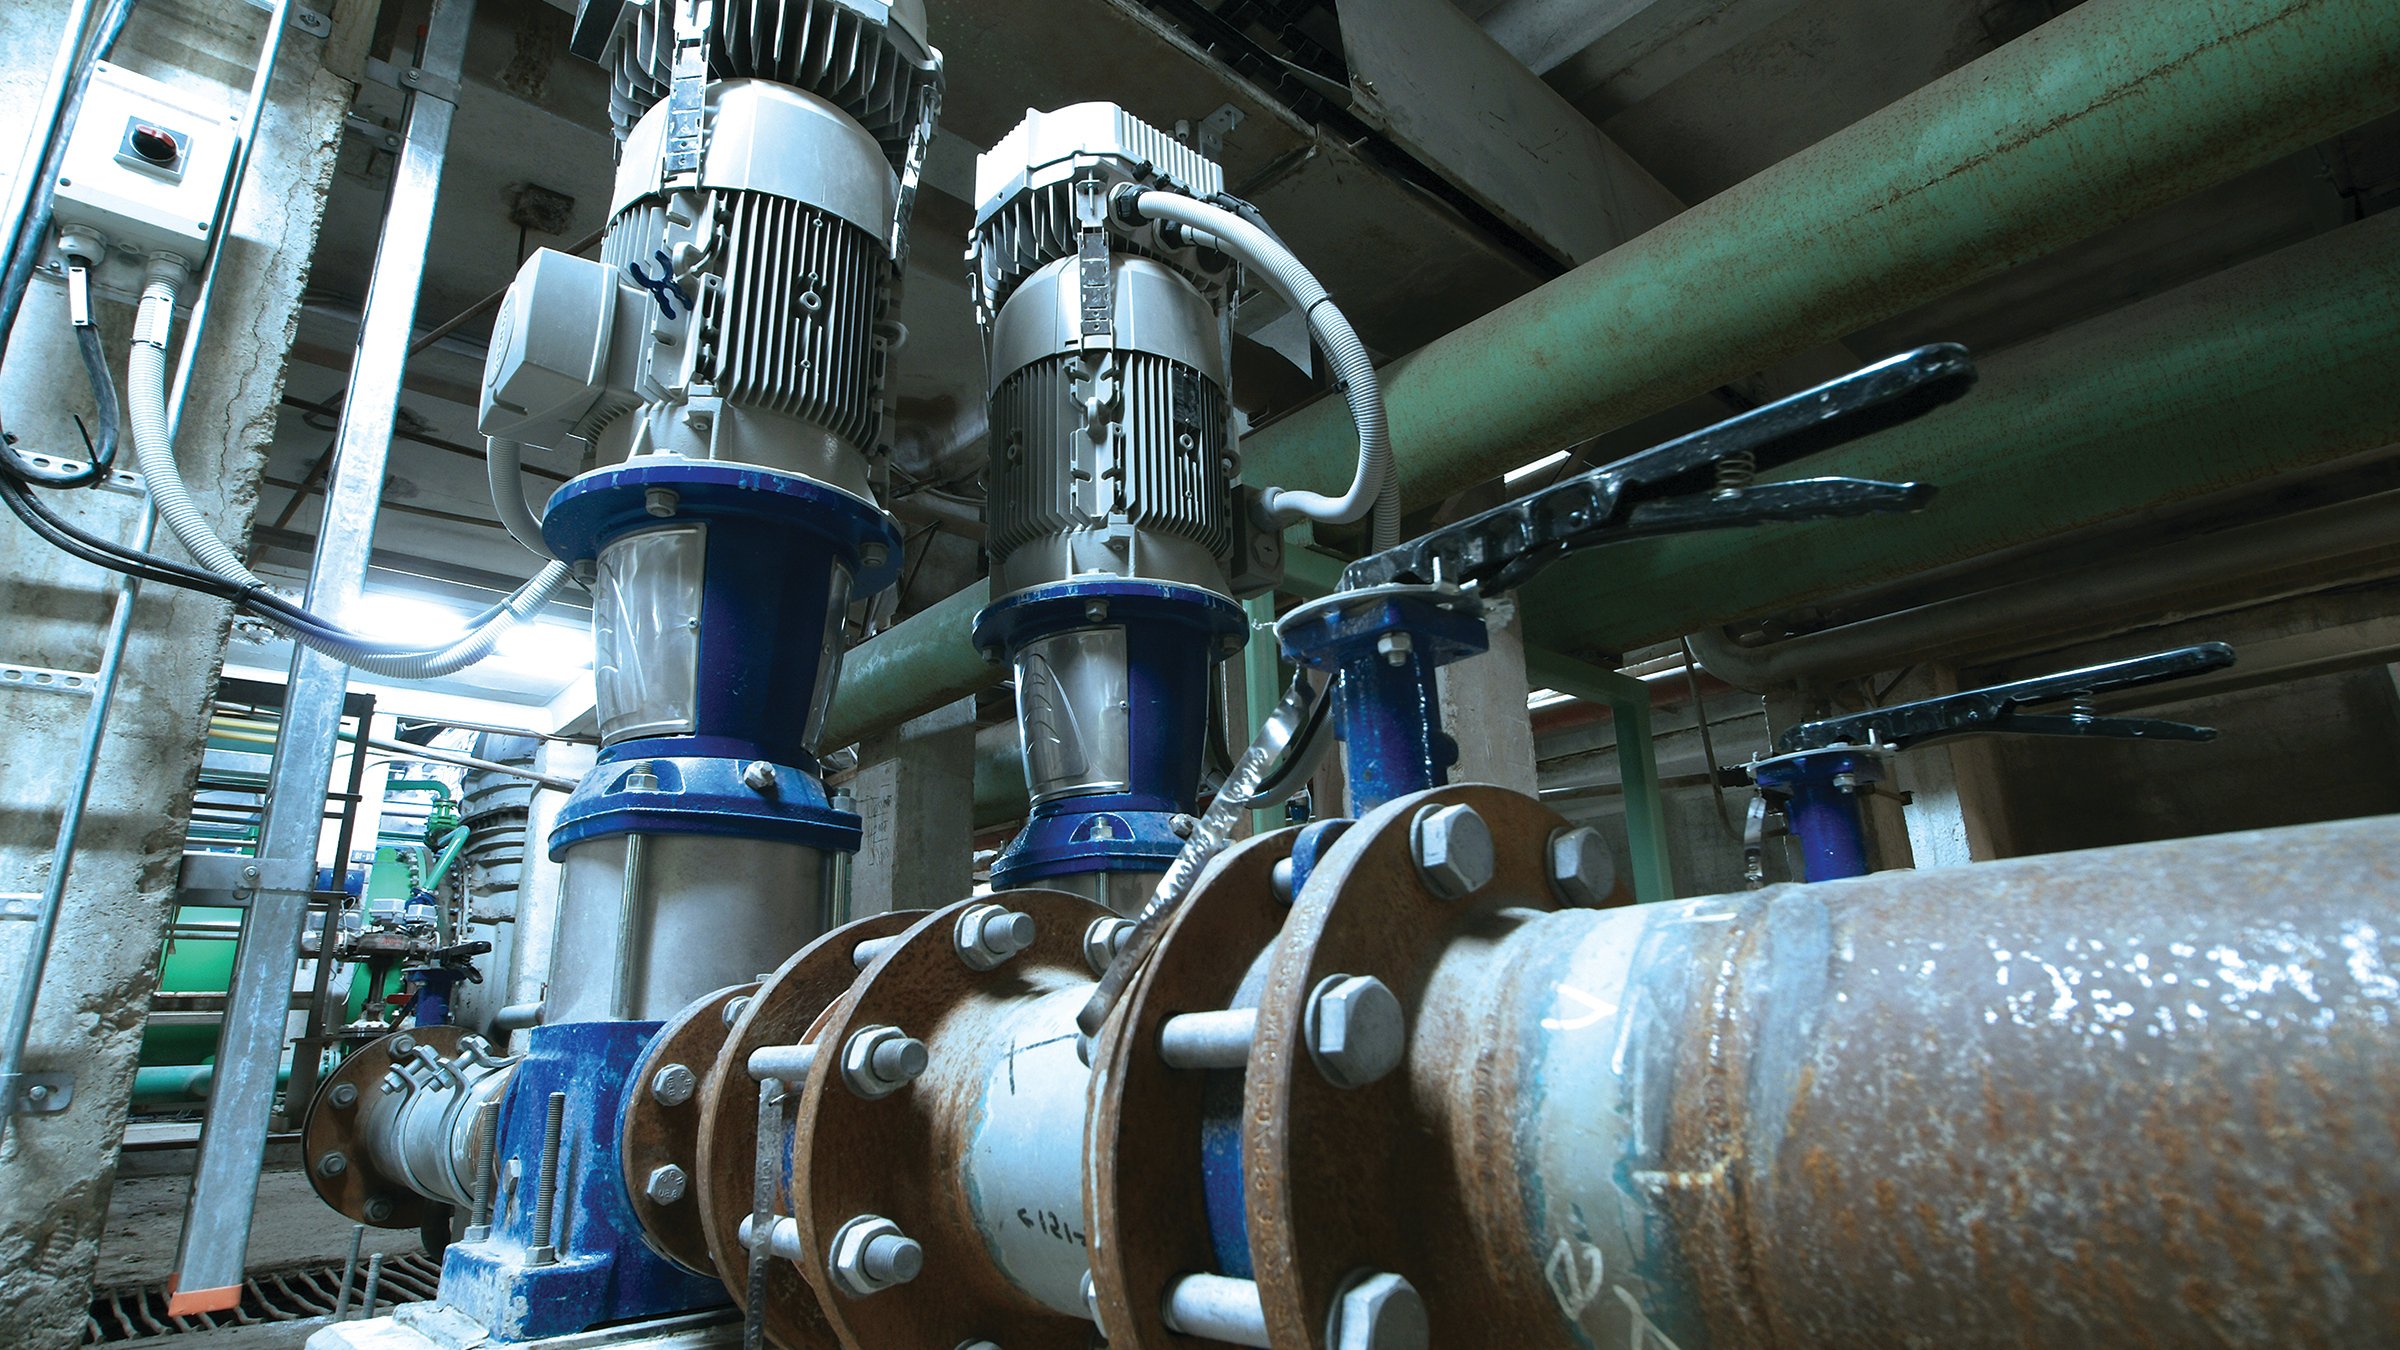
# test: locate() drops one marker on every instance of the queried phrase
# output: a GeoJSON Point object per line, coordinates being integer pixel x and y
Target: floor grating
{"type": "Point", "coordinates": [139, 1313]}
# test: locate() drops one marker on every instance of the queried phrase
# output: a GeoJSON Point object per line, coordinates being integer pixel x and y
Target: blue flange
{"type": "Point", "coordinates": [602, 1269]}
{"type": "Point", "coordinates": [596, 508]}
{"type": "Point", "coordinates": [699, 789]}
{"type": "Point", "coordinates": [1820, 791]}
{"type": "Point", "coordinates": [1385, 645]}
{"type": "Point", "coordinates": [1174, 634]}
{"type": "Point", "coordinates": [784, 555]}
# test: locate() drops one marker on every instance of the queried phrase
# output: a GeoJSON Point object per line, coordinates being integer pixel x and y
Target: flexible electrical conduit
{"type": "Point", "coordinates": [502, 458]}
{"type": "Point", "coordinates": [1371, 486]}
{"type": "Point", "coordinates": [146, 412]}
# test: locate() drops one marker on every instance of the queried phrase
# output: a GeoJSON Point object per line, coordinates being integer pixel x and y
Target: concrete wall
{"type": "Point", "coordinates": [916, 794]}
{"type": "Point", "coordinates": [56, 1171]}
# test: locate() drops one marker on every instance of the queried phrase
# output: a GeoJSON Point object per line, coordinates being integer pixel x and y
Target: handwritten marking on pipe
{"type": "Point", "coordinates": [1575, 1290]}
{"type": "Point", "coordinates": [1595, 1009]}
{"type": "Point", "coordinates": [1645, 1332]}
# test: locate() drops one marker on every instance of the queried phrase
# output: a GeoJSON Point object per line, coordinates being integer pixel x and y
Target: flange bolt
{"type": "Point", "coordinates": [1581, 866]}
{"type": "Point", "coordinates": [665, 1185]}
{"type": "Point", "coordinates": [332, 1165]}
{"type": "Point", "coordinates": [879, 1061]}
{"type": "Point", "coordinates": [1380, 1312]}
{"type": "Point", "coordinates": [1454, 852]}
{"type": "Point", "coordinates": [870, 1254]}
{"type": "Point", "coordinates": [673, 1084]}
{"type": "Point", "coordinates": [987, 935]}
{"type": "Point", "coordinates": [1103, 940]}
{"type": "Point", "coordinates": [759, 776]}
{"type": "Point", "coordinates": [343, 1096]}
{"type": "Point", "coordinates": [1357, 1031]}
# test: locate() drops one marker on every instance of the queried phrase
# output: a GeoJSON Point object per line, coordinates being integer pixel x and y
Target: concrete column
{"type": "Point", "coordinates": [916, 791]}
{"type": "Point", "coordinates": [1483, 707]}
{"type": "Point", "coordinates": [57, 1170]}
{"type": "Point", "coordinates": [1954, 811]}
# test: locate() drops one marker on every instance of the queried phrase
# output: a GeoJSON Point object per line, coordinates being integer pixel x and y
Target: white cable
{"type": "Point", "coordinates": [1371, 486]}
{"type": "Point", "coordinates": [154, 449]}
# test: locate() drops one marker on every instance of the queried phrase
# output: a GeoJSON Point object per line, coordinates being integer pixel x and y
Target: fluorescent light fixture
{"type": "Point", "coordinates": [1516, 475]}
{"type": "Point", "coordinates": [1546, 698]}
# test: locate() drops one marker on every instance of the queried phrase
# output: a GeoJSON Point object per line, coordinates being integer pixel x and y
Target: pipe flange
{"type": "Point", "coordinates": [1336, 1167]}
{"type": "Point", "coordinates": [661, 1128]}
{"type": "Point", "coordinates": [339, 1118]}
{"type": "Point", "coordinates": [899, 1158]}
{"type": "Point", "coordinates": [781, 1011]}
{"type": "Point", "coordinates": [1146, 1190]}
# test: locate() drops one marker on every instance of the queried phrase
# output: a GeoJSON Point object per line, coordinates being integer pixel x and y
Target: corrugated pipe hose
{"type": "Point", "coordinates": [502, 460]}
{"type": "Point", "coordinates": [1371, 485]}
{"type": "Point", "coordinates": [146, 412]}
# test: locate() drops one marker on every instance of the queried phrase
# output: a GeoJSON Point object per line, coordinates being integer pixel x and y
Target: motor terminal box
{"type": "Point", "coordinates": [145, 170]}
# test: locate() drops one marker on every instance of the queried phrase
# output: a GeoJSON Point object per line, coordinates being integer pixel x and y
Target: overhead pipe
{"type": "Point", "coordinates": [2249, 564]}
{"type": "Point", "coordinates": [2102, 114]}
{"type": "Point", "coordinates": [2275, 367]}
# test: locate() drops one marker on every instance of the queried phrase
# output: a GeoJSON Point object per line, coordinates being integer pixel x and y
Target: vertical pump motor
{"type": "Point", "coordinates": [1115, 524]}
{"type": "Point", "coordinates": [724, 362]}
{"type": "Point", "coordinates": [726, 358]}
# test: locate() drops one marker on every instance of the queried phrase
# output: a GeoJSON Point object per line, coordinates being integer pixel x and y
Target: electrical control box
{"type": "Point", "coordinates": [144, 171]}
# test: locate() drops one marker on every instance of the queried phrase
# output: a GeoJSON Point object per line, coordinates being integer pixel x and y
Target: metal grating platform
{"type": "Point", "coordinates": [139, 1313]}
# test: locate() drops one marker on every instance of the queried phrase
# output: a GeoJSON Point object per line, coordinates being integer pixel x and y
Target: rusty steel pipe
{"type": "Point", "coordinates": [2135, 1096]}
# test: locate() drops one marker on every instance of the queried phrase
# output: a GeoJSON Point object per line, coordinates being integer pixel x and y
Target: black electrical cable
{"type": "Point", "coordinates": [64, 535]}
{"type": "Point", "coordinates": [109, 415]}
{"type": "Point", "coordinates": [27, 236]}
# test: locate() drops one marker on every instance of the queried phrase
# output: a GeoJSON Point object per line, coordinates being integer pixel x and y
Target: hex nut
{"type": "Point", "coordinates": [1379, 1312]}
{"type": "Point", "coordinates": [377, 1209]}
{"type": "Point", "coordinates": [879, 1061]}
{"type": "Point", "coordinates": [342, 1096]}
{"type": "Point", "coordinates": [1357, 1030]}
{"type": "Point", "coordinates": [1454, 852]}
{"type": "Point", "coordinates": [332, 1165]}
{"type": "Point", "coordinates": [666, 1184]}
{"type": "Point", "coordinates": [673, 1085]}
{"type": "Point", "coordinates": [1103, 940]}
{"type": "Point", "coordinates": [870, 1254]}
{"type": "Point", "coordinates": [986, 936]}
{"type": "Point", "coordinates": [734, 1008]}
{"type": "Point", "coordinates": [1581, 866]}
{"type": "Point", "coordinates": [759, 776]}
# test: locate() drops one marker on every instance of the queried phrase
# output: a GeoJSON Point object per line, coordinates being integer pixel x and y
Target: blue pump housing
{"type": "Point", "coordinates": [783, 557]}
{"type": "Point", "coordinates": [1175, 635]}
{"type": "Point", "coordinates": [602, 1271]}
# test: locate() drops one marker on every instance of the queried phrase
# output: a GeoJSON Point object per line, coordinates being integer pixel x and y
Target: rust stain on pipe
{"type": "Point", "coordinates": [2139, 1096]}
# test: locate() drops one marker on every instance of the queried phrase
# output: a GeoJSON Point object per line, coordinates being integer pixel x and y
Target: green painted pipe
{"type": "Point", "coordinates": [161, 1084]}
{"type": "Point", "coordinates": [2106, 112]}
{"type": "Point", "coordinates": [915, 666]}
{"type": "Point", "coordinates": [2279, 365]}
{"type": "Point", "coordinates": [440, 871]}
{"type": "Point", "coordinates": [2115, 108]}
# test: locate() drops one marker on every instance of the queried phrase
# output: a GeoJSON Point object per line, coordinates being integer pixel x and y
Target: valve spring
{"type": "Point", "coordinates": [1735, 472]}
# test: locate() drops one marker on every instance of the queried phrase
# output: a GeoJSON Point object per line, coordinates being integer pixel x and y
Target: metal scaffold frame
{"type": "Point", "coordinates": [208, 1272]}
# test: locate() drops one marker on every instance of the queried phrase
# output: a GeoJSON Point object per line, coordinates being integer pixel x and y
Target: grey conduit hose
{"type": "Point", "coordinates": [1371, 485]}
{"type": "Point", "coordinates": [503, 461]}
{"type": "Point", "coordinates": [154, 449]}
